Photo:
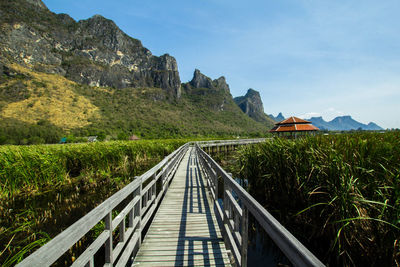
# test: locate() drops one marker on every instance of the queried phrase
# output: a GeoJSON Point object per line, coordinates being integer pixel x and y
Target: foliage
{"type": "Point", "coordinates": [37, 166]}
{"type": "Point", "coordinates": [340, 195]}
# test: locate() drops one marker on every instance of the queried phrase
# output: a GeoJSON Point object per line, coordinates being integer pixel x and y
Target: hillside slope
{"type": "Point", "coordinates": [60, 77]}
{"type": "Point", "coordinates": [37, 107]}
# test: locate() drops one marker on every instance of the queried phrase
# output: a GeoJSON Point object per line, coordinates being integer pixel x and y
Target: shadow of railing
{"type": "Point", "coordinates": [195, 189]}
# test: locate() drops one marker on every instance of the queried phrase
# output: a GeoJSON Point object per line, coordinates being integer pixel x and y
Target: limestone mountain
{"type": "Point", "coordinates": [278, 118]}
{"type": "Point", "coordinates": [93, 51]}
{"type": "Point", "coordinates": [251, 104]}
{"type": "Point", "coordinates": [343, 123]}
{"type": "Point", "coordinates": [60, 77]}
{"type": "Point", "coordinates": [216, 91]}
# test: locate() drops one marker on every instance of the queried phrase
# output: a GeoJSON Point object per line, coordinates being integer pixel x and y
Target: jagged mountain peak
{"type": "Point", "coordinates": [252, 105]}
{"type": "Point", "coordinates": [278, 118]}
{"type": "Point", "coordinates": [98, 17]}
{"type": "Point", "coordinates": [200, 80]}
{"type": "Point", "coordinates": [222, 84]}
{"type": "Point", "coordinates": [251, 91]}
{"type": "Point", "coordinates": [94, 51]}
{"type": "Point", "coordinates": [37, 3]}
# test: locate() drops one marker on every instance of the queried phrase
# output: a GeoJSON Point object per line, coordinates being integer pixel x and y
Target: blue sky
{"type": "Point", "coordinates": [306, 57]}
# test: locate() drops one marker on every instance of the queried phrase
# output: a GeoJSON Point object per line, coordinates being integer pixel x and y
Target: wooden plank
{"type": "Point", "coordinates": [154, 255]}
{"type": "Point", "coordinates": [87, 255]}
{"type": "Point", "coordinates": [124, 212]}
{"type": "Point", "coordinates": [109, 241]}
{"type": "Point", "coordinates": [244, 234]}
{"type": "Point", "coordinates": [233, 202]}
{"type": "Point", "coordinates": [195, 256]}
{"type": "Point", "coordinates": [183, 263]}
{"type": "Point", "coordinates": [154, 248]}
{"type": "Point", "coordinates": [118, 248]}
{"type": "Point", "coordinates": [128, 250]}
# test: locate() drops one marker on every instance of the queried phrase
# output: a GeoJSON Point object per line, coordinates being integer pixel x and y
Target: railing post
{"type": "Point", "coordinates": [224, 211]}
{"type": "Point", "coordinates": [154, 187]}
{"type": "Point", "coordinates": [109, 243]}
{"type": "Point", "coordinates": [165, 183]}
{"type": "Point", "coordinates": [244, 234]}
{"type": "Point", "coordinates": [139, 214]}
{"type": "Point", "coordinates": [131, 215]}
{"type": "Point", "coordinates": [215, 179]}
{"type": "Point", "coordinates": [122, 230]}
{"type": "Point", "coordinates": [226, 203]}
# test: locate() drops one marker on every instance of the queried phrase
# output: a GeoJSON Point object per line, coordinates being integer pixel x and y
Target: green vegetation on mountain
{"type": "Point", "coordinates": [41, 108]}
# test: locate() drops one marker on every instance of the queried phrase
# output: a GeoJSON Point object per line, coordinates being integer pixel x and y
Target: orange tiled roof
{"type": "Point", "coordinates": [297, 125]}
{"type": "Point", "coordinates": [292, 120]}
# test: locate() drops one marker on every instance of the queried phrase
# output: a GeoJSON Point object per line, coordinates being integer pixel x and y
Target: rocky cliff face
{"type": "Point", "coordinates": [200, 80]}
{"type": "Point", "coordinates": [252, 105]}
{"type": "Point", "coordinates": [217, 90]}
{"type": "Point", "coordinates": [93, 51]}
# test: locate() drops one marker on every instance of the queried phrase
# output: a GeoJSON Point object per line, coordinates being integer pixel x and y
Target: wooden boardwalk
{"type": "Point", "coordinates": [184, 231]}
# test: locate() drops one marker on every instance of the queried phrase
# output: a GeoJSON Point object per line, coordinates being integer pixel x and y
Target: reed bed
{"type": "Point", "coordinates": [45, 188]}
{"type": "Point", "coordinates": [340, 195]}
{"type": "Point", "coordinates": [33, 167]}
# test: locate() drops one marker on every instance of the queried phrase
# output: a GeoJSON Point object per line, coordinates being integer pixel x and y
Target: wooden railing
{"type": "Point", "coordinates": [233, 215]}
{"type": "Point", "coordinates": [143, 196]}
{"type": "Point", "coordinates": [214, 143]}
{"type": "Point", "coordinates": [226, 146]}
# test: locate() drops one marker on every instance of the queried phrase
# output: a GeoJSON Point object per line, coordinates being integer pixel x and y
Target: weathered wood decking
{"type": "Point", "coordinates": [184, 231]}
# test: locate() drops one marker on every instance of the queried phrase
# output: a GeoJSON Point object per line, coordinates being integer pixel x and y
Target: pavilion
{"type": "Point", "coordinates": [293, 127]}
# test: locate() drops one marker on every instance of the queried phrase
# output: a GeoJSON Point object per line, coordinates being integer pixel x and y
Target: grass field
{"type": "Point", "coordinates": [340, 195]}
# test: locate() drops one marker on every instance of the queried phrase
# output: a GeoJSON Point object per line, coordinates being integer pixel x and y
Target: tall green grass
{"type": "Point", "coordinates": [32, 167]}
{"type": "Point", "coordinates": [339, 194]}
{"type": "Point", "coordinates": [45, 188]}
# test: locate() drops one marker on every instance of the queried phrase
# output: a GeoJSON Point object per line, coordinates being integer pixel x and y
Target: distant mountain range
{"type": "Point", "coordinates": [277, 118]}
{"type": "Point", "coordinates": [341, 123]}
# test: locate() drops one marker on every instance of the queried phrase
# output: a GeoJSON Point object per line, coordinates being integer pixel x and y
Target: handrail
{"type": "Point", "coordinates": [229, 142]}
{"type": "Point", "coordinates": [142, 204]}
{"type": "Point", "coordinates": [234, 217]}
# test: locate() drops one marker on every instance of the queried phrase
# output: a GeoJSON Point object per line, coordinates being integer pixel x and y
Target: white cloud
{"type": "Point", "coordinates": [332, 113]}
{"type": "Point", "coordinates": [310, 114]}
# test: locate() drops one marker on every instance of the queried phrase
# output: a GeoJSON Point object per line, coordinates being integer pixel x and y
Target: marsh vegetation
{"type": "Point", "coordinates": [339, 195]}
